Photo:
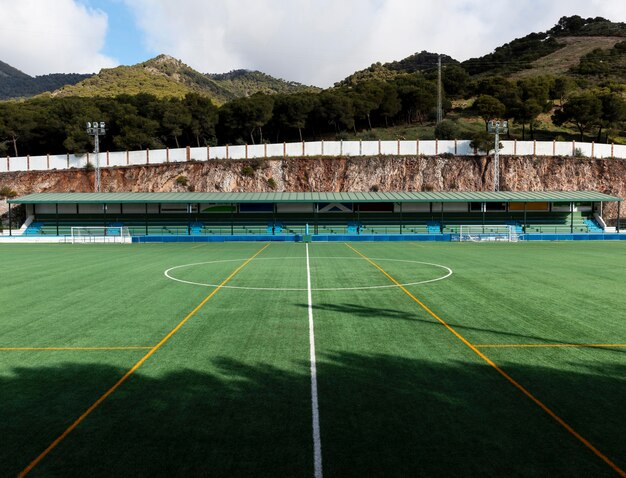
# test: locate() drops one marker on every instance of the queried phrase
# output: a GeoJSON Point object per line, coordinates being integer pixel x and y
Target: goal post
{"type": "Point", "coordinates": [488, 233]}
{"type": "Point", "coordinates": [100, 235]}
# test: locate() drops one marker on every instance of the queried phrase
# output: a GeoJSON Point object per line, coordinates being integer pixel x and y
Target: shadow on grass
{"type": "Point", "coordinates": [380, 416]}
{"type": "Point", "coordinates": [357, 310]}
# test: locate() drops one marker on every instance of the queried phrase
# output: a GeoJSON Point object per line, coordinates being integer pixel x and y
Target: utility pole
{"type": "Point", "coordinates": [496, 127]}
{"type": "Point", "coordinates": [439, 93]}
{"type": "Point", "coordinates": [96, 129]}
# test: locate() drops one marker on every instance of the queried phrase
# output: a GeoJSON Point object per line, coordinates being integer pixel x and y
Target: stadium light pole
{"type": "Point", "coordinates": [96, 129]}
{"type": "Point", "coordinates": [496, 127]}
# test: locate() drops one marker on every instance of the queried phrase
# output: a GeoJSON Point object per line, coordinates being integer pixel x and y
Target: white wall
{"type": "Point", "coordinates": [314, 148]}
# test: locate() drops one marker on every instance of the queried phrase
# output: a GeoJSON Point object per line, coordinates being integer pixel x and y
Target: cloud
{"type": "Point", "coordinates": [322, 41]}
{"type": "Point", "coordinates": [44, 36]}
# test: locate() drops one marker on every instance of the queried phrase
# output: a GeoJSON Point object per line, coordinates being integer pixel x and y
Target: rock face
{"type": "Point", "coordinates": [342, 174]}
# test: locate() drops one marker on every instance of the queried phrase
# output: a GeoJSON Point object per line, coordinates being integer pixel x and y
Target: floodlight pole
{"type": "Point", "coordinates": [496, 127]}
{"type": "Point", "coordinates": [439, 92]}
{"type": "Point", "coordinates": [96, 129]}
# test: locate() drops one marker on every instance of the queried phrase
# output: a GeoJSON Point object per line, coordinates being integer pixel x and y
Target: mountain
{"type": "Point", "coordinates": [17, 84]}
{"type": "Point", "coordinates": [245, 83]}
{"type": "Point", "coordinates": [165, 76]}
{"type": "Point", "coordinates": [575, 46]}
{"type": "Point", "coordinates": [422, 61]}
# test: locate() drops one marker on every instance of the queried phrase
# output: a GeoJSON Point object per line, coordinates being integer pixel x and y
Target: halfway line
{"type": "Point", "coordinates": [315, 412]}
{"type": "Point", "coordinates": [514, 382]}
{"type": "Point", "coordinates": [97, 403]}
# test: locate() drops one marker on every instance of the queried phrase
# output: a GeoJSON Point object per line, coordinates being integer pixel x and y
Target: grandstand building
{"type": "Point", "coordinates": [313, 215]}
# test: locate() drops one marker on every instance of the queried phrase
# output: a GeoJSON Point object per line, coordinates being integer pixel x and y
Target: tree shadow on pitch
{"type": "Point", "coordinates": [381, 415]}
{"type": "Point", "coordinates": [375, 313]}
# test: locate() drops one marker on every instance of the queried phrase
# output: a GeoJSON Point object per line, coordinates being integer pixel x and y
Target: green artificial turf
{"type": "Point", "coordinates": [229, 392]}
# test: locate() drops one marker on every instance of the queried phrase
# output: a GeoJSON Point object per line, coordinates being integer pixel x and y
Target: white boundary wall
{"type": "Point", "coordinates": [309, 149]}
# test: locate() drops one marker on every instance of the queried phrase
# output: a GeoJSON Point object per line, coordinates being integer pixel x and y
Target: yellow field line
{"type": "Point", "coordinates": [507, 346]}
{"type": "Point", "coordinates": [18, 349]}
{"type": "Point", "coordinates": [97, 403]}
{"type": "Point", "coordinates": [510, 379]}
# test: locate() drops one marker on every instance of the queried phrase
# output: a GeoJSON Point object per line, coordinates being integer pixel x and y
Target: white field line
{"type": "Point", "coordinates": [317, 442]}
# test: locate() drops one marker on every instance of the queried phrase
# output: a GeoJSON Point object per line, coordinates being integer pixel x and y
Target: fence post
{"type": "Point", "coordinates": [107, 158]}
{"type": "Point", "coordinates": [553, 147]}
{"type": "Point", "coordinates": [188, 153]}
{"type": "Point", "coordinates": [398, 147]}
{"type": "Point", "coordinates": [28, 162]}
{"type": "Point", "coordinates": [127, 158]}
{"type": "Point", "coordinates": [68, 160]}
{"type": "Point", "coordinates": [534, 148]}
{"type": "Point", "coordinates": [455, 149]}
{"type": "Point", "coordinates": [379, 150]}
{"type": "Point", "coordinates": [302, 148]}
{"type": "Point", "coordinates": [515, 148]}
{"type": "Point", "coordinates": [167, 155]}
{"type": "Point", "coordinates": [227, 151]}
{"type": "Point", "coordinates": [147, 155]}
{"type": "Point", "coordinates": [417, 145]}
{"type": "Point", "coordinates": [246, 151]}
{"type": "Point", "coordinates": [284, 150]}
{"type": "Point", "coordinates": [612, 150]}
{"type": "Point", "coordinates": [573, 148]}
{"type": "Point", "coordinates": [265, 150]}
{"type": "Point", "coordinates": [208, 152]}
{"type": "Point", "coordinates": [8, 164]}
{"type": "Point", "coordinates": [48, 161]}
{"type": "Point", "coordinates": [360, 147]}
{"type": "Point", "coordinates": [341, 147]}
{"type": "Point", "coordinates": [593, 149]}
{"type": "Point", "coordinates": [436, 147]}
{"type": "Point", "coordinates": [322, 147]}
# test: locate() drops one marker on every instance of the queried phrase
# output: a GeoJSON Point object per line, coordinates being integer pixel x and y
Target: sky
{"type": "Point", "coordinates": [315, 42]}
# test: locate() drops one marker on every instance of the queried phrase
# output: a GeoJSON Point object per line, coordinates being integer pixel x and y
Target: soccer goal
{"type": "Point", "coordinates": [490, 233]}
{"type": "Point", "coordinates": [100, 235]}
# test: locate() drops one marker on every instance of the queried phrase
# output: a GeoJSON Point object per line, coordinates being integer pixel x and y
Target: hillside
{"type": "Point", "coordinates": [17, 84]}
{"type": "Point", "coordinates": [165, 76]}
{"type": "Point", "coordinates": [569, 55]}
{"type": "Point", "coordinates": [559, 50]}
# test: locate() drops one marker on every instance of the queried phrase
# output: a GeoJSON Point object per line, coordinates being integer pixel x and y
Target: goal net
{"type": "Point", "coordinates": [93, 235]}
{"type": "Point", "coordinates": [491, 233]}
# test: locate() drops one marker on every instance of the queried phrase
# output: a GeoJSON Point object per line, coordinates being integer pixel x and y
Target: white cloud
{"type": "Point", "coordinates": [322, 41]}
{"type": "Point", "coordinates": [44, 36]}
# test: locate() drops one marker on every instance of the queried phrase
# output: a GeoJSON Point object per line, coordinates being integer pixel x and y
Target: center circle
{"type": "Point", "coordinates": [169, 275]}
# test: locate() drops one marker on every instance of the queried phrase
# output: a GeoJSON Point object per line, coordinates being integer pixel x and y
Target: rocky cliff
{"type": "Point", "coordinates": [341, 174]}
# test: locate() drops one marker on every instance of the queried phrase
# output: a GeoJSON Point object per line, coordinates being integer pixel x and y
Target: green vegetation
{"type": "Point", "coordinates": [16, 84]}
{"type": "Point", "coordinates": [164, 103]}
{"type": "Point", "coordinates": [230, 390]}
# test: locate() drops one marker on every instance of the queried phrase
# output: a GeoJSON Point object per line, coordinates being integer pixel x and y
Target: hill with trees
{"type": "Point", "coordinates": [164, 103]}
{"type": "Point", "coordinates": [17, 84]}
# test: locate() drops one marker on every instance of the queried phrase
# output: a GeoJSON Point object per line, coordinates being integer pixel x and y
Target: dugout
{"type": "Point", "coordinates": [281, 213]}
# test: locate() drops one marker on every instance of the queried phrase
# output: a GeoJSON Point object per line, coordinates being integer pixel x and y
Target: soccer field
{"type": "Point", "coordinates": [422, 359]}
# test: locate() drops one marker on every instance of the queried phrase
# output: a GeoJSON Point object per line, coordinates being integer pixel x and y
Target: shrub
{"type": "Point", "coordinates": [271, 183]}
{"type": "Point", "coordinates": [247, 171]}
{"type": "Point", "coordinates": [446, 155]}
{"type": "Point", "coordinates": [89, 167]}
{"type": "Point", "coordinates": [7, 192]}
{"type": "Point", "coordinates": [447, 129]}
{"type": "Point", "coordinates": [182, 180]}
{"type": "Point", "coordinates": [578, 153]}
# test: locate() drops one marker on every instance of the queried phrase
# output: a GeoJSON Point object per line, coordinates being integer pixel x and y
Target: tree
{"type": "Point", "coordinates": [488, 108]}
{"type": "Point", "coordinates": [390, 104]}
{"type": "Point", "coordinates": [176, 119]}
{"type": "Point", "coordinates": [292, 111]}
{"type": "Point", "coordinates": [204, 118]}
{"type": "Point", "coordinates": [583, 110]}
{"type": "Point", "coordinates": [613, 112]}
